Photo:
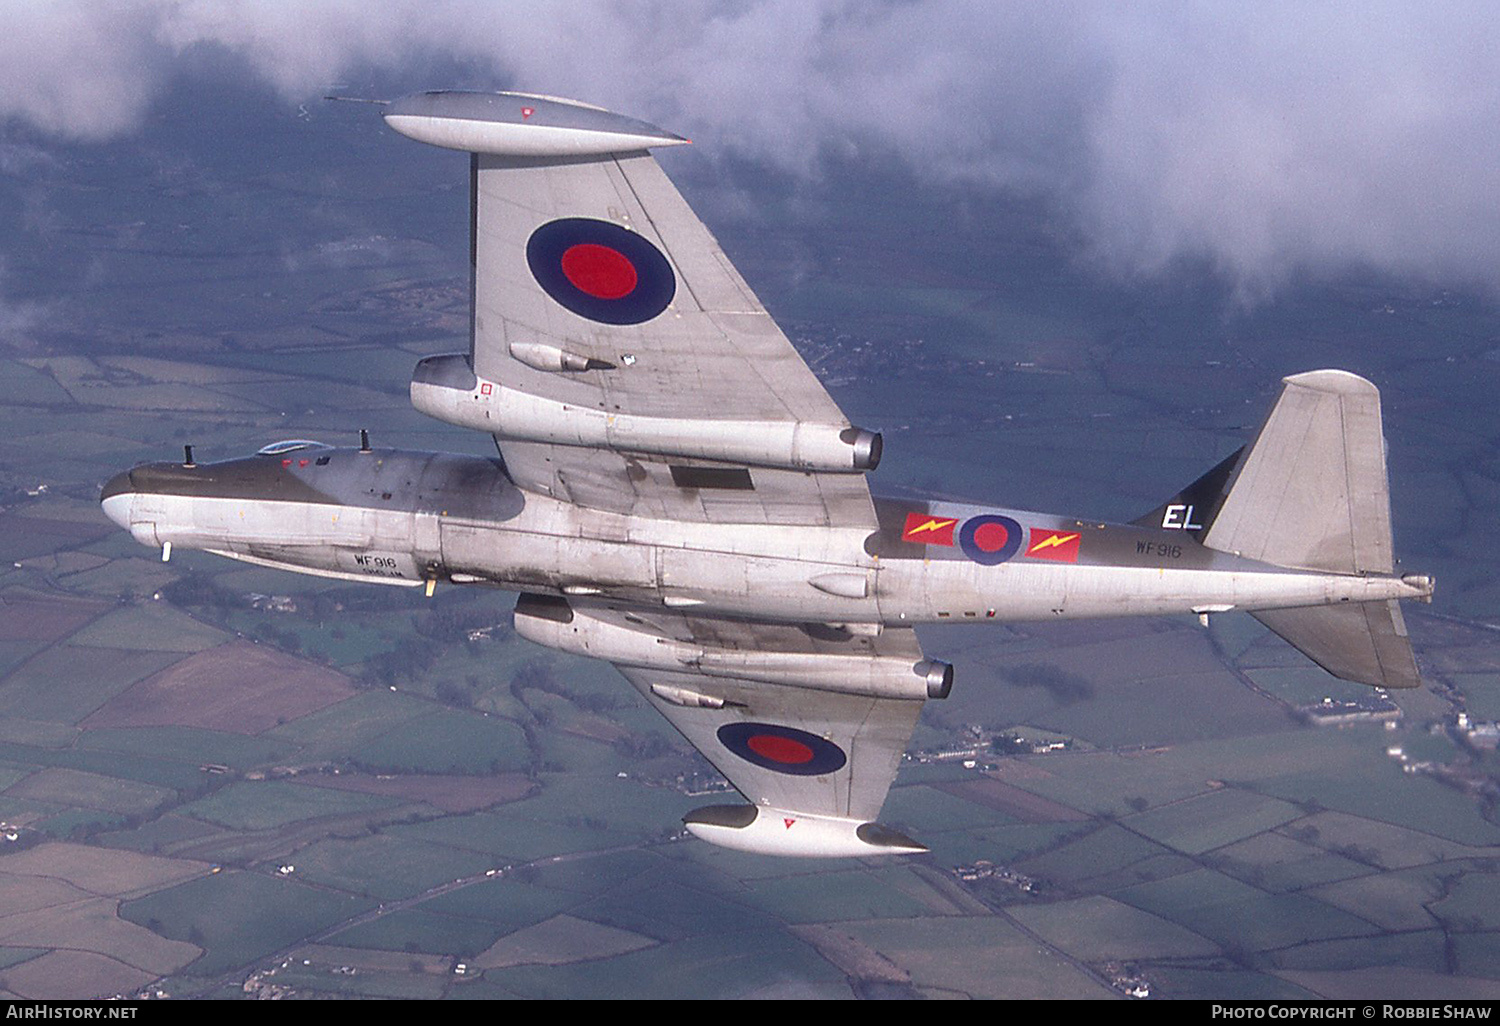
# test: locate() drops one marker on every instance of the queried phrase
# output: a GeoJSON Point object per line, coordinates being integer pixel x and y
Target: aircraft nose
{"type": "Point", "coordinates": [116, 498]}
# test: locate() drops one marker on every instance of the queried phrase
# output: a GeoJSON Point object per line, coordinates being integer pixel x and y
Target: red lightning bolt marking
{"type": "Point", "coordinates": [1053, 542]}
{"type": "Point", "coordinates": [933, 525]}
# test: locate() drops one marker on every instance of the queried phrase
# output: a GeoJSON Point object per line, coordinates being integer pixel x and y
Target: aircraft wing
{"type": "Point", "coordinates": [809, 723]}
{"type": "Point", "coordinates": [623, 364]}
{"type": "Point", "coordinates": [600, 297]}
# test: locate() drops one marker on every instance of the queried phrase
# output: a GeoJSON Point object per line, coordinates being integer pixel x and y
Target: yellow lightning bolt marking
{"type": "Point", "coordinates": [1053, 542]}
{"type": "Point", "coordinates": [932, 525]}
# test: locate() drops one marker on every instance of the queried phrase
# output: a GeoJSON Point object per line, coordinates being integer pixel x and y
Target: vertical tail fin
{"type": "Point", "coordinates": [1312, 492]}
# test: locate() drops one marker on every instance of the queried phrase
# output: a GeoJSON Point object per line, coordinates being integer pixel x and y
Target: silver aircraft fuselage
{"type": "Point", "coordinates": [415, 518]}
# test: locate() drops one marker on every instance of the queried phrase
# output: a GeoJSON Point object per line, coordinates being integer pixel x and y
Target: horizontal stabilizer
{"type": "Point", "coordinates": [1364, 642]}
{"type": "Point", "coordinates": [1312, 492]}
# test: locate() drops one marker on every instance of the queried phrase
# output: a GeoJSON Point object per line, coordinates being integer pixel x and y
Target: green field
{"type": "Point", "coordinates": [1001, 844]}
{"type": "Point", "coordinates": [362, 719]}
{"type": "Point", "coordinates": [237, 917]}
{"type": "Point", "coordinates": [609, 870]}
{"type": "Point", "coordinates": [1110, 782]}
{"type": "Point", "coordinates": [70, 787]}
{"type": "Point", "coordinates": [38, 733]}
{"type": "Point", "coordinates": [189, 744]}
{"type": "Point", "coordinates": [1189, 983]}
{"type": "Point", "coordinates": [1101, 851]}
{"type": "Point", "coordinates": [834, 897]}
{"type": "Point", "coordinates": [180, 776]}
{"type": "Point", "coordinates": [763, 963]}
{"type": "Point", "coordinates": [1237, 915]}
{"type": "Point", "coordinates": [324, 981]}
{"type": "Point", "coordinates": [385, 866]}
{"type": "Point", "coordinates": [1419, 950]}
{"type": "Point", "coordinates": [982, 957]}
{"type": "Point", "coordinates": [155, 627]}
{"type": "Point", "coordinates": [444, 741]}
{"type": "Point", "coordinates": [1472, 903]}
{"type": "Point", "coordinates": [1204, 822]}
{"type": "Point", "coordinates": [1299, 684]}
{"type": "Point", "coordinates": [267, 804]}
{"type": "Point", "coordinates": [413, 930]}
{"type": "Point", "coordinates": [160, 836]}
{"type": "Point", "coordinates": [1097, 929]}
{"type": "Point", "coordinates": [1276, 862]}
{"type": "Point", "coordinates": [65, 683]}
{"type": "Point", "coordinates": [506, 903]}
{"type": "Point", "coordinates": [1481, 693]}
{"type": "Point", "coordinates": [1478, 955]}
{"type": "Point", "coordinates": [662, 905]}
{"type": "Point", "coordinates": [939, 811]}
{"type": "Point", "coordinates": [1396, 901]}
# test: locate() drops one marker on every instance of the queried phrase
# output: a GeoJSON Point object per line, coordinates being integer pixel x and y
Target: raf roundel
{"type": "Point", "coordinates": [990, 539]}
{"type": "Point", "coordinates": [600, 271]}
{"type": "Point", "coordinates": [782, 749]}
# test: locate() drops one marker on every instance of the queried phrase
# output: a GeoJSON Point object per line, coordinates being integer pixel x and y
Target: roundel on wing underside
{"type": "Point", "coordinates": [782, 749]}
{"type": "Point", "coordinates": [600, 271]}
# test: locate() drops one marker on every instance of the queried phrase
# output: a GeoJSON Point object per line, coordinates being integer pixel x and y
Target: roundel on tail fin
{"type": "Point", "coordinates": [600, 271]}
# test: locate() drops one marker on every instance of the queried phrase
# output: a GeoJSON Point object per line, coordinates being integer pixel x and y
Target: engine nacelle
{"type": "Point", "coordinates": [446, 387]}
{"type": "Point", "coordinates": [556, 624]}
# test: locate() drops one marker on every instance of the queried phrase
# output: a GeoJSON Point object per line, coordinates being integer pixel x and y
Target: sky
{"type": "Point", "coordinates": [1271, 141]}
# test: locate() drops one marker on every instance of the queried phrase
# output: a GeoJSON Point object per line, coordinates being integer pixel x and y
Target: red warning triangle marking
{"type": "Point", "coordinates": [526, 112]}
{"type": "Point", "coordinates": [789, 823]}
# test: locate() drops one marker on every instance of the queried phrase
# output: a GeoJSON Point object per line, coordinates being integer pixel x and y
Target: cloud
{"type": "Point", "coordinates": [19, 319]}
{"type": "Point", "coordinates": [1270, 139]}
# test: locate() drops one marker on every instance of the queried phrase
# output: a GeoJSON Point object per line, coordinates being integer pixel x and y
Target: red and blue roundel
{"type": "Point", "coordinates": [600, 271]}
{"type": "Point", "coordinates": [782, 749]}
{"type": "Point", "coordinates": [990, 539]}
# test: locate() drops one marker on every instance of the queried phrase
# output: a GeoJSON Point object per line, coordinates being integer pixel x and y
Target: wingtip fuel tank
{"type": "Point", "coordinates": [762, 830]}
{"type": "Point", "coordinates": [520, 125]}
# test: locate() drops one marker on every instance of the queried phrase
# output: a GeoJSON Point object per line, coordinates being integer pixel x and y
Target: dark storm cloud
{"type": "Point", "coordinates": [1267, 139]}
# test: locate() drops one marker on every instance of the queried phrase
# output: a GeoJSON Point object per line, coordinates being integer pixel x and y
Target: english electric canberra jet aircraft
{"type": "Point", "coordinates": [677, 494]}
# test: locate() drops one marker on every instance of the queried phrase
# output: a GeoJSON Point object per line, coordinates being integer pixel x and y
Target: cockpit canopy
{"type": "Point", "coordinates": [287, 445]}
